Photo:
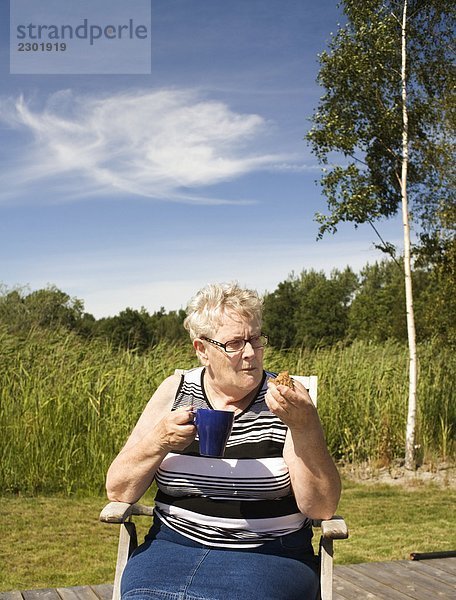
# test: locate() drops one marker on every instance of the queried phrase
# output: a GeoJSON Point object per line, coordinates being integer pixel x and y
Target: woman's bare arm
{"type": "Point", "coordinates": [157, 432]}
{"type": "Point", "coordinates": [314, 476]}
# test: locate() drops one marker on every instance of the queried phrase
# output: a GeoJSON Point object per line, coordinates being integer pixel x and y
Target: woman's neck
{"type": "Point", "coordinates": [223, 400]}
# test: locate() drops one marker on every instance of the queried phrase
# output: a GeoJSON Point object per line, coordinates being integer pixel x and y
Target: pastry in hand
{"type": "Point", "coordinates": [283, 378]}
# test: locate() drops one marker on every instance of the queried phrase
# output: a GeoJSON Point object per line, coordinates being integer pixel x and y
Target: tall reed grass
{"type": "Point", "coordinates": [363, 398]}
{"type": "Point", "coordinates": [67, 404]}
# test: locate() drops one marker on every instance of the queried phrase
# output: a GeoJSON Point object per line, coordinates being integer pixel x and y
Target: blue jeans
{"type": "Point", "coordinates": [169, 566]}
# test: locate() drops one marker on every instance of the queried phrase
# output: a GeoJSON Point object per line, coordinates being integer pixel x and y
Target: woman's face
{"type": "Point", "coordinates": [234, 373]}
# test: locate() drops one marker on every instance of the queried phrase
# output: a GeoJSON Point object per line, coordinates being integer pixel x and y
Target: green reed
{"type": "Point", "coordinates": [68, 404]}
{"type": "Point", "coordinates": [363, 398]}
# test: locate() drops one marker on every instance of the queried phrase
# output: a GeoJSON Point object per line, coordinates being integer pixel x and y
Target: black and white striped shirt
{"type": "Point", "coordinates": [241, 500]}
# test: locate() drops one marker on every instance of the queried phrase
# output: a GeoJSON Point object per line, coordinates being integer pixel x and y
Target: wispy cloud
{"type": "Point", "coordinates": [165, 144]}
{"type": "Point", "coordinates": [296, 167]}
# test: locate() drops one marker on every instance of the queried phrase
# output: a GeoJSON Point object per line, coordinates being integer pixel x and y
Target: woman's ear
{"type": "Point", "coordinates": [200, 350]}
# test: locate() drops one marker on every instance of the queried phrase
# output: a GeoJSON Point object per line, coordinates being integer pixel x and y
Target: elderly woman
{"type": "Point", "coordinates": [236, 527]}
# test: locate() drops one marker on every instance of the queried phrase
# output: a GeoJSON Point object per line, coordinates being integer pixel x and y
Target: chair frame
{"type": "Point", "coordinates": [122, 513]}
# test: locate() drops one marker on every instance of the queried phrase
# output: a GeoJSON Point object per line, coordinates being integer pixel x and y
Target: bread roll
{"type": "Point", "coordinates": [283, 378]}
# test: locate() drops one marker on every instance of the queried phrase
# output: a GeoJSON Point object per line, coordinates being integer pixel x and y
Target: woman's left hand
{"type": "Point", "coordinates": [314, 477]}
{"type": "Point", "coordinates": [294, 407]}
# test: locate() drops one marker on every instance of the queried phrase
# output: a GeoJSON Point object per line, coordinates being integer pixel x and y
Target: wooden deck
{"type": "Point", "coordinates": [399, 580]}
{"type": "Point", "coordinates": [80, 592]}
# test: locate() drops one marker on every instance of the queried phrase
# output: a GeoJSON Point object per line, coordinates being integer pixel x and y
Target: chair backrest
{"type": "Point", "coordinates": [310, 382]}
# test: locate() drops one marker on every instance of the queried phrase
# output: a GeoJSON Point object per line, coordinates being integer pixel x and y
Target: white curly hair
{"type": "Point", "coordinates": [205, 311]}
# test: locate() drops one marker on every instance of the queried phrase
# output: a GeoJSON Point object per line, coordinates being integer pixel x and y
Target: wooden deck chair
{"type": "Point", "coordinates": [122, 513]}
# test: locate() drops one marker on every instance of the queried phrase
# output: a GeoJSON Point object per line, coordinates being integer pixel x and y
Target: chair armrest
{"type": "Point", "coordinates": [334, 528]}
{"type": "Point", "coordinates": [119, 512]}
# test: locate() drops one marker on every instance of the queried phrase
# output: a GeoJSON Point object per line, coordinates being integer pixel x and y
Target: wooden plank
{"type": "Point", "coordinates": [389, 576]}
{"type": "Point", "coordinates": [337, 596]}
{"type": "Point", "coordinates": [103, 590]}
{"type": "Point", "coordinates": [14, 595]}
{"type": "Point", "coordinates": [365, 582]}
{"type": "Point", "coordinates": [446, 564]}
{"type": "Point", "coordinates": [78, 592]}
{"type": "Point", "coordinates": [429, 568]}
{"type": "Point", "coordinates": [44, 594]}
{"type": "Point", "coordinates": [437, 588]}
{"type": "Point", "coordinates": [347, 590]}
{"type": "Point", "coordinates": [400, 578]}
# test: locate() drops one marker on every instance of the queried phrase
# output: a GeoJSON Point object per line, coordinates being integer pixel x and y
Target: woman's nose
{"type": "Point", "coordinates": [248, 349]}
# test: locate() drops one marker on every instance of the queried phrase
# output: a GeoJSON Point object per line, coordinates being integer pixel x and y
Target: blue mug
{"type": "Point", "coordinates": [214, 429]}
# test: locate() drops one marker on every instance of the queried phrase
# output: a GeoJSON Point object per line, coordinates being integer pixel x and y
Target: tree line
{"type": "Point", "coordinates": [52, 308]}
{"type": "Point", "coordinates": [314, 310]}
{"type": "Point", "coordinates": [308, 310]}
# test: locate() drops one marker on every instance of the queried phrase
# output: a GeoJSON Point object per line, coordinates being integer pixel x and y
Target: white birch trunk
{"type": "Point", "coordinates": [410, 462]}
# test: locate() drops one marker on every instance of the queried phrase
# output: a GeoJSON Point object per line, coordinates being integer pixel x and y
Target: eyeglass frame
{"type": "Point", "coordinates": [223, 346]}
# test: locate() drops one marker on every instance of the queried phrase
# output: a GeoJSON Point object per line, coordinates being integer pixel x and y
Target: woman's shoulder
{"type": "Point", "coordinates": [157, 407]}
{"type": "Point", "coordinates": [165, 393]}
{"type": "Point", "coordinates": [193, 375]}
{"type": "Point", "coordinates": [190, 390]}
{"type": "Point", "coordinates": [173, 383]}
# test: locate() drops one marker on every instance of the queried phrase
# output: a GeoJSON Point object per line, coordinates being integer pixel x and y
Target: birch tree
{"type": "Point", "coordinates": [387, 117]}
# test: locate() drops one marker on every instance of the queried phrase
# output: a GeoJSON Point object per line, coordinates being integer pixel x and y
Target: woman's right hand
{"type": "Point", "coordinates": [176, 430]}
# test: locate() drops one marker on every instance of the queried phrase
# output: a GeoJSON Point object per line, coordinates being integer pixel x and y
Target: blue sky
{"type": "Point", "coordinates": [137, 189]}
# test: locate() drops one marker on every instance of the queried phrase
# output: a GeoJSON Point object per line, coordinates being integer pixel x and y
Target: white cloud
{"type": "Point", "coordinates": [296, 167]}
{"type": "Point", "coordinates": [164, 145]}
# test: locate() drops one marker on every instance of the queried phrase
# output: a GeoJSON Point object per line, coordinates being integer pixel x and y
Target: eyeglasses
{"type": "Point", "coordinates": [232, 346]}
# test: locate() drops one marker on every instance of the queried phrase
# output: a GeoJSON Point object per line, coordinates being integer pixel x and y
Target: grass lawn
{"type": "Point", "coordinates": [54, 541]}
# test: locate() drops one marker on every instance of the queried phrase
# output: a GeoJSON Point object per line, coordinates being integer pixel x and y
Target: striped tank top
{"type": "Point", "coordinates": [241, 500]}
